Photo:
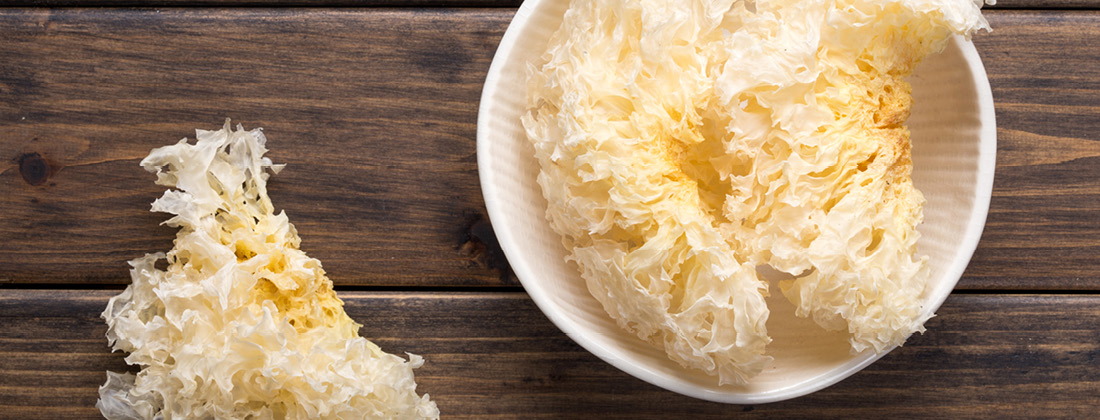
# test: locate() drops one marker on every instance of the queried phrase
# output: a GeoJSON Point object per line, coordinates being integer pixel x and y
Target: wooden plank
{"type": "Point", "coordinates": [1001, 4]}
{"type": "Point", "coordinates": [375, 111]}
{"type": "Point", "coordinates": [1042, 229]}
{"type": "Point", "coordinates": [261, 3]}
{"type": "Point", "coordinates": [494, 355]}
{"type": "Point", "coordinates": [1045, 4]}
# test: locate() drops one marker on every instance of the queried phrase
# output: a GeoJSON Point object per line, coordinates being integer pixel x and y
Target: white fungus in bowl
{"type": "Point", "coordinates": [683, 143]}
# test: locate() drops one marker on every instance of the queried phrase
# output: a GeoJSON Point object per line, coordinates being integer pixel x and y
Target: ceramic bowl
{"type": "Point", "coordinates": [954, 142]}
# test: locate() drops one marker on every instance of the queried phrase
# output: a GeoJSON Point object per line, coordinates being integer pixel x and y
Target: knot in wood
{"type": "Point", "coordinates": [34, 169]}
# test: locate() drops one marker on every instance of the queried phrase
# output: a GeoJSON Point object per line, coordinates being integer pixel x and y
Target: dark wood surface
{"type": "Point", "coordinates": [1018, 356]}
{"type": "Point", "coordinates": [1043, 228]}
{"type": "Point", "coordinates": [374, 111]}
{"type": "Point", "coordinates": [1001, 4]}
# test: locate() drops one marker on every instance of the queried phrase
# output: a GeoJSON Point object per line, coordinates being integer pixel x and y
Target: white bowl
{"type": "Point", "coordinates": [954, 142]}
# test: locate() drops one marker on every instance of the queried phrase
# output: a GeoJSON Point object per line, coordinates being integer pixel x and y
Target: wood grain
{"type": "Point", "coordinates": [1044, 4]}
{"type": "Point", "coordinates": [494, 355]}
{"type": "Point", "coordinates": [1001, 4]}
{"type": "Point", "coordinates": [375, 111]}
{"type": "Point", "coordinates": [1042, 230]}
{"type": "Point", "coordinates": [263, 3]}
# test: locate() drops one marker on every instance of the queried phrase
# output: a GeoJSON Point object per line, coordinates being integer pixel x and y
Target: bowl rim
{"type": "Point", "coordinates": [527, 275]}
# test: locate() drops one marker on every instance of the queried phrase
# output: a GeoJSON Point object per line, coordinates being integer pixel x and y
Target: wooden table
{"type": "Point", "coordinates": [374, 111]}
